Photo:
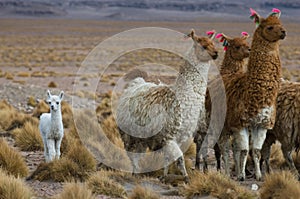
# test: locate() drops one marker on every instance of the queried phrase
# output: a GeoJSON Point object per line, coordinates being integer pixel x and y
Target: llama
{"type": "Point", "coordinates": [51, 127]}
{"type": "Point", "coordinates": [236, 51]}
{"type": "Point", "coordinates": [140, 107]}
{"type": "Point", "coordinates": [287, 126]}
{"type": "Point", "coordinates": [251, 96]}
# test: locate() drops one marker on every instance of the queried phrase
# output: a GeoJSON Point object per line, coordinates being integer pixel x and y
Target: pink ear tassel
{"type": "Point", "coordinates": [276, 10]}
{"type": "Point", "coordinates": [244, 34]}
{"type": "Point", "coordinates": [253, 12]}
{"type": "Point", "coordinates": [219, 35]}
{"type": "Point", "coordinates": [225, 48]}
{"type": "Point", "coordinates": [211, 32]}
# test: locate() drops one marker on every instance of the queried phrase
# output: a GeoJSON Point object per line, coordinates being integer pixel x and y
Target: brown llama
{"type": "Point", "coordinates": [251, 96]}
{"type": "Point", "coordinates": [236, 51]}
{"type": "Point", "coordinates": [287, 126]}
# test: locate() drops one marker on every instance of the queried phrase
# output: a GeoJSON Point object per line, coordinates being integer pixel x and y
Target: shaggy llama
{"type": "Point", "coordinates": [51, 127]}
{"type": "Point", "coordinates": [287, 126]}
{"type": "Point", "coordinates": [251, 96]}
{"type": "Point", "coordinates": [236, 51]}
{"type": "Point", "coordinates": [169, 113]}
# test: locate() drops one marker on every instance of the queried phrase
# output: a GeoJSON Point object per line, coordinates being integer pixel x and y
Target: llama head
{"type": "Point", "coordinates": [237, 48]}
{"type": "Point", "coordinates": [269, 28]}
{"type": "Point", "coordinates": [204, 46]}
{"type": "Point", "coordinates": [54, 101]}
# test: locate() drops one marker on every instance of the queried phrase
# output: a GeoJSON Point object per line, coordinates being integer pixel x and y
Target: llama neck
{"type": "Point", "coordinates": [192, 75]}
{"type": "Point", "coordinates": [264, 59]}
{"type": "Point", "coordinates": [56, 116]}
{"type": "Point", "coordinates": [230, 65]}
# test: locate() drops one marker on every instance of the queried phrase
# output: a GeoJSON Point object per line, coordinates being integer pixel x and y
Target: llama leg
{"type": "Point", "coordinates": [57, 148]}
{"type": "Point", "coordinates": [223, 146]}
{"type": "Point", "coordinates": [287, 153]}
{"type": "Point", "coordinates": [265, 157]}
{"type": "Point", "coordinates": [51, 149]}
{"type": "Point", "coordinates": [172, 152]}
{"type": "Point", "coordinates": [46, 151]}
{"type": "Point", "coordinates": [218, 156]}
{"type": "Point", "coordinates": [204, 156]}
{"type": "Point", "coordinates": [241, 148]}
{"type": "Point", "coordinates": [181, 166]}
{"type": "Point", "coordinates": [198, 140]}
{"type": "Point", "coordinates": [258, 137]}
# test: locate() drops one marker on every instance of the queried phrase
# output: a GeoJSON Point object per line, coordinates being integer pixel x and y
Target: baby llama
{"type": "Point", "coordinates": [236, 51]}
{"type": "Point", "coordinates": [51, 127]}
{"type": "Point", "coordinates": [169, 113]}
{"type": "Point", "coordinates": [251, 96]}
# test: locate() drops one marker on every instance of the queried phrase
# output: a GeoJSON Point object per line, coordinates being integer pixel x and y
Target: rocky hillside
{"type": "Point", "coordinates": [139, 9]}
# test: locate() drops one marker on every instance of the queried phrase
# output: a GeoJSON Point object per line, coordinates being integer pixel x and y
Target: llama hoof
{"type": "Point", "coordinates": [241, 178]}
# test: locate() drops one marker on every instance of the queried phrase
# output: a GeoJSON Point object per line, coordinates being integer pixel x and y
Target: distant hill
{"type": "Point", "coordinates": [141, 9]}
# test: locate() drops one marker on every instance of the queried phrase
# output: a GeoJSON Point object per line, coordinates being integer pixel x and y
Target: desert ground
{"type": "Point", "coordinates": [62, 54]}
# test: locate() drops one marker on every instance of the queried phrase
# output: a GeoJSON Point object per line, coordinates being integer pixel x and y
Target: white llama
{"type": "Point", "coordinates": [51, 127]}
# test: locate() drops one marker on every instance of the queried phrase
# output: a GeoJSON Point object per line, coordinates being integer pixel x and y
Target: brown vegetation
{"type": "Point", "coordinates": [140, 192]}
{"type": "Point", "coordinates": [11, 160]}
{"type": "Point", "coordinates": [13, 188]}
{"type": "Point", "coordinates": [75, 191]}
{"type": "Point", "coordinates": [281, 184]}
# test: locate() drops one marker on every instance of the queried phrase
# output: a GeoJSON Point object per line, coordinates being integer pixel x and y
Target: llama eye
{"type": "Point", "coordinates": [57, 103]}
{"type": "Point", "coordinates": [238, 47]}
{"type": "Point", "coordinates": [270, 28]}
{"type": "Point", "coordinates": [49, 102]}
{"type": "Point", "coordinates": [204, 47]}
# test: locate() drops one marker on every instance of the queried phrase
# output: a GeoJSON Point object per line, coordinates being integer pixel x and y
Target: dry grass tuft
{"type": "Point", "coordinates": [42, 107]}
{"type": "Point", "coordinates": [31, 101]}
{"type": "Point", "coordinates": [75, 191]}
{"type": "Point", "coordinates": [215, 184]}
{"type": "Point", "coordinates": [23, 74]}
{"type": "Point", "coordinates": [281, 184]}
{"type": "Point", "coordinates": [28, 138]}
{"type": "Point", "coordinates": [52, 85]}
{"type": "Point", "coordinates": [77, 163]}
{"type": "Point", "coordinates": [109, 127]}
{"type": "Point", "coordinates": [13, 188]}
{"type": "Point", "coordinates": [140, 192]}
{"type": "Point", "coordinates": [101, 183]}
{"type": "Point", "coordinates": [9, 76]}
{"type": "Point", "coordinates": [11, 161]}
{"type": "Point", "coordinates": [67, 114]}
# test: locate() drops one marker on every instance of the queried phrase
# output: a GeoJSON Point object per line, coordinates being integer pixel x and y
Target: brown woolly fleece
{"type": "Point", "coordinates": [287, 127]}
{"type": "Point", "coordinates": [248, 93]}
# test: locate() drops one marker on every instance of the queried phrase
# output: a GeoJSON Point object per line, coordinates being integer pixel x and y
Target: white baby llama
{"type": "Point", "coordinates": [51, 127]}
{"type": "Point", "coordinates": [166, 116]}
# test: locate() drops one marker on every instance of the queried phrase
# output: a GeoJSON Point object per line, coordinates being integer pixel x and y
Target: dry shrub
{"type": "Point", "coordinates": [52, 85]}
{"type": "Point", "coordinates": [7, 114]}
{"type": "Point", "coordinates": [31, 101]}
{"type": "Point", "coordinates": [111, 131]}
{"type": "Point", "coordinates": [215, 184]}
{"type": "Point", "coordinates": [67, 114]}
{"type": "Point", "coordinates": [42, 107]}
{"type": "Point", "coordinates": [13, 188]}
{"type": "Point", "coordinates": [296, 158]}
{"type": "Point", "coordinates": [9, 76]}
{"type": "Point", "coordinates": [12, 161]}
{"type": "Point", "coordinates": [279, 185]}
{"type": "Point", "coordinates": [28, 138]}
{"type": "Point", "coordinates": [101, 183]}
{"type": "Point", "coordinates": [140, 192]}
{"type": "Point", "coordinates": [92, 136]}
{"type": "Point", "coordinates": [75, 191]}
{"type": "Point", "coordinates": [23, 74]}
{"type": "Point", "coordinates": [61, 170]}
{"type": "Point", "coordinates": [77, 164]}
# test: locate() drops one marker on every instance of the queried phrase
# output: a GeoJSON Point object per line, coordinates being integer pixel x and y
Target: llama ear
{"type": "Point", "coordinates": [245, 35]}
{"type": "Point", "coordinates": [225, 39]}
{"type": "Point", "coordinates": [255, 16]}
{"type": "Point", "coordinates": [48, 94]}
{"type": "Point", "coordinates": [190, 35]}
{"type": "Point", "coordinates": [275, 12]}
{"type": "Point", "coordinates": [211, 34]}
{"type": "Point", "coordinates": [61, 95]}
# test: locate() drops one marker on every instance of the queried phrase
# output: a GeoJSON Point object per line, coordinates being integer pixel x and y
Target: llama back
{"type": "Point", "coordinates": [142, 108]}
